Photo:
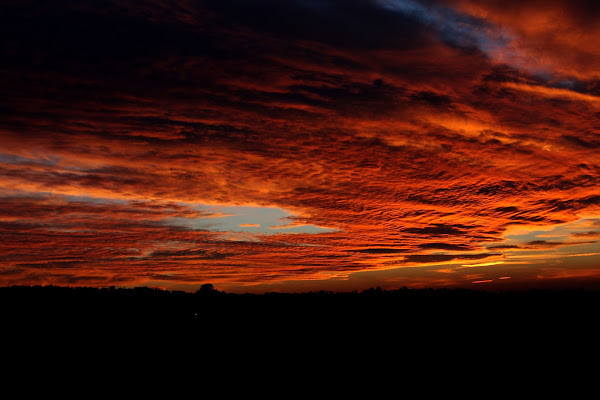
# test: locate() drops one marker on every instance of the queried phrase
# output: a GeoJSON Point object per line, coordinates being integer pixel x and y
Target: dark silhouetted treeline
{"type": "Point", "coordinates": [406, 327]}
{"type": "Point", "coordinates": [211, 309]}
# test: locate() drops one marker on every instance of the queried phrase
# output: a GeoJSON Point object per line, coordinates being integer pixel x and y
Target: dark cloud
{"type": "Point", "coordinates": [582, 142]}
{"type": "Point", "coordinates": [51, 265]}
{"type": "Point", "coordinates": [551, 244]}
{"type": "Point", "coordinates": [586, 234]}
{"type": "Point", "coordinates": [349, 23]}
{"type": "Point", "coordinates": [544, 243]}
{"type": "Point", "coordinates": [438, 258]}
{"type": "Point", "coordinates": [444, 246]}
{"type": "Point", "coordinates": [188, 254]}
{"type": "Point", "coordinates": [438, 230]}
{"type": "Point", "coordinates": [381, 251]}
{"type": "Point", "coordinates": [432, 99]}
{"type": "Point", "coordinates": [508, 209]}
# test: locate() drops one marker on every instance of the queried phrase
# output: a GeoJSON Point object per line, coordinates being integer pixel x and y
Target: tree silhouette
{"type": "Point", "coordinates": [207, 288]}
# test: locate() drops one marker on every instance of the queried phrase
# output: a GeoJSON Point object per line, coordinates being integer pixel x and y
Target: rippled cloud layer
{"type": "Point", "coordinates": [287, 145]}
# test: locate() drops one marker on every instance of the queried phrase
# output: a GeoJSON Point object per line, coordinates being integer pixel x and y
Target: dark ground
{"type": "Point", "coordinates": [422, 340]}
{"type": "Point", "coordinates": [418, 330]}
{"type": "Point", "coordinates": [211, 309]}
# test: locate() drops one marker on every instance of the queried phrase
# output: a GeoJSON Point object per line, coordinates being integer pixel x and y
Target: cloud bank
{"type": "Point", "coordinates": [415, 132]}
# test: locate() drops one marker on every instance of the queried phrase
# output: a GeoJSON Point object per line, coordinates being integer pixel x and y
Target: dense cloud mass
{"type": "Point", "coordinates": [396, 135]}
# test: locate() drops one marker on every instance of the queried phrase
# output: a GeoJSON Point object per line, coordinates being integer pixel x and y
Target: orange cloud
{"type": "Point", "coordinates": [552, 36]}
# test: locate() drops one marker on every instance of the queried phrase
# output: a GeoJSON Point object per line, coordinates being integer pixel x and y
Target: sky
{"type": "Point", "coordinates": [300, 145]}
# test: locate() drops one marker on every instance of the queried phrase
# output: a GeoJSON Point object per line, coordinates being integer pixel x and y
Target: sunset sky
{"type": "Point", "coordinates": [297, 145]}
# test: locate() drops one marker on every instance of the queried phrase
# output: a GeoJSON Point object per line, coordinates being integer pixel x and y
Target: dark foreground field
{"type": "Point", "coordinates": [211, 310]}
{"type": "Point", "coordinates": [406, 327]}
